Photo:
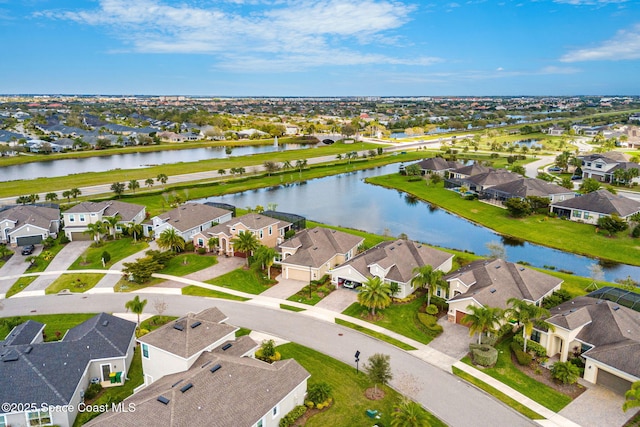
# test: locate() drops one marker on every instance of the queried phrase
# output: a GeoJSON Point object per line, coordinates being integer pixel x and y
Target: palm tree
{"type": "Point", "coordinates": [51, 197]}
{"type": "Point", "coordinates": [528, 315]}
{"type": "Point", "coordinates": [428, 278]}
{"type": "Point", "coordinates": [169, 239]}
{"type": "Point", "coordinates": [409, 414]}
{"type": "Point", "coordinates": [95, 230]}
{"type": "Point", "coordinates": [213, 242]}
{"type": "Point", "coordinates": [286, 165]}
{"type": "Point", "coordinates": [266, 256]}
{"type": "Point", "coordinates": [135, 230]}
{"type": "Point", "coordinates": [375, 294]}
{"type": "Point", "coordinates": [149, 182]}
{"type": "Point", "coordinates": [133, 185]}
{"type": "Point", "coordinates": [246, 242]}
{"type": "Point", "coordinates": [75, 192]}
{"type": "Point", "coordinates": [110, 222]}
{"type": "Point", "coordinates": [162, 178]}
{"type": "Point", "coordinates": [67, 194]}
{"type": "Point", "coordinates": [482, 320]}
{"type": "Point", "coordinates": [136, 306]}
{"type": "Point", "coordinates": [632, 397]}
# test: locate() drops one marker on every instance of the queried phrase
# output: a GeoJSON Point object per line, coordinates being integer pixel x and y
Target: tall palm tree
{"type": "Point", "coordinates": [266, 256]}
{"type": "Point", "coordinates": [110, 222]}
{"type": "Point", "coordinates": [134, 230]}
{"type": "Point", "coordinates": [162, 178]}
{"type": "Point", "coordinates": [75, 192]}
{"type": "Point", "coordinates": [430, 279]}
{"type": "Point", "coordinates": [482, 320]}
{"type": "Point", "coordinates": [246, 242]}
{"type": "Point", "coordinates": [133, 185]}
{"type": "Point", "coordinates": [528, 315]}
{"type": "Point", "coordinates": [149, 182]}
{"type": "Point", "coordinates": [136, 306]}
{"type": "Point", "coordinates": [170, 239]}
{"type": "Point", "coordinates": [375, 294]}
{"type": "Point", "coordinates": [51, 197]}
{"type": "Point", "coordinates": [95, 230]}
{"type": "Point", "coordinates": [213, 242]}
{"type": "Point", "coordinates": [67, 194]}
{"type": "Point", "coordinates": [409, 414]}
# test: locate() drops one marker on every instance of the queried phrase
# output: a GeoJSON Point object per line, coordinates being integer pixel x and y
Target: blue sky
{"type": "Point", "coordinates": [320, 47]}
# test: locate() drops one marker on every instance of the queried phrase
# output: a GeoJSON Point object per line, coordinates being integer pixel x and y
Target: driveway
{"type": "Point", "coordinates": [338, 300]}
{"type": "Point", "coordinates": [71, 252]}
{"type": "Point", "coordinates": [596, 407]}
{"type": "Point", "coordinates": [285, 288]}
{"type": "Point", "coordinates": [14, 267]}
{"type": "Point", "coordinates": [454, 341]}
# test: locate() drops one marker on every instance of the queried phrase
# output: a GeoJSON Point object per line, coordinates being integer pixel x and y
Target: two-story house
{"type": "Point", "coordinates": [77, 218]}
{"type": "Point", "coordinates": [187, 220]}
{"type": "Point", "coordinates": [602, 167]}
{"type": "Point", "coordinates": [28, 224]}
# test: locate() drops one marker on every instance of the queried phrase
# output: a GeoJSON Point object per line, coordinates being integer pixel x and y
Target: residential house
{"type": "Point", "coordinates": [595, 205]}
{"type": "Point", "coordinates": [28, 224]}
{"type": "Point", "coordinates": [524, 187]}
{"type": "Point", "coordinates": [602, 167]}
{"type": "Point", "coordinates": [437, 165]}
{"type": "Point", "coordinates": [633, 135]}
{"type": "Point", "coordinates": [57, 373]}
{"type": "Point", "coordinates": [188, 220]}
{"type": "Point", "coordinates": [491, 283]}
{"type": "Point", "coordinates": [311, 253]}
{"type": "Point", "coordinates": [77, 218]}
{"type": "Point", "coordinates": [555, 130]}
{"type": "Point", "coordinates": [269, 231]}
{"type": "Point", "coordinates": [604, 333]}
{"type": "Point", "coordinates": [393, 262]}
{"type": "Point", "coordinates": [467, 171]}
{"type": "Point", "coordinates": [482, 181]}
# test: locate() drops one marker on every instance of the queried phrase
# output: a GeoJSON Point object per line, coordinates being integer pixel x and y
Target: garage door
{"type": "Point", "coordinates": [80, 236]}
{"type": "Point", "coordinates": [613, 382]}
{"type": "Point", "coordinates": [295, 274]}
{"type": "Point", "coordinates": [459, 316]}
{"type": "Point", "coordinates": [28, 240]}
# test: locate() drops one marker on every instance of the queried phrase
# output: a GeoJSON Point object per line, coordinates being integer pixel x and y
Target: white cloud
{"type": "Point", "coordinates": [624, 45]}
{"type": "Point", "coordinates": [298, 33]}
{"type": "Point", "coordinates": [590, 2]}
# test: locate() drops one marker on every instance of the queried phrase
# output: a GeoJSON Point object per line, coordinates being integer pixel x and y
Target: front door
{"type": "Point", "coordinates": [106, 370]}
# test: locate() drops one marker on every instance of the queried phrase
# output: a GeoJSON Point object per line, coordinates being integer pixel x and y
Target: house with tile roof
{"type": "Point", "coordinates": [58, 373]}
{"type": "Point", "coordinates": [491, 283]}
{"type": "Point", "coordinates": [187, 220]}
{"type": "Point", "coordinates": [522, 188]}
{"type": "Point", "coordinates": [312, 253]}
{"type": "Point", "coordinates": [269, 232]}
{"type": "Point", "coordinates": [605, 334]}
{"type": "Point", "coordinates": [592, 206]}
{"type": "Point", "coordinates": [77, 218]}
{"type": "Point", "coordinates": [28, 224]}
{"type": "Point", "coordinates": [393, 262]}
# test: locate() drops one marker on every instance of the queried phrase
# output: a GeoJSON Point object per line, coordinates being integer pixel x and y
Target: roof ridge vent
{"type": "Point", "coordinates": [186, 387]}
{"type": "Point", "coordinates": [178, 326]}
{"type": "Point", "coordinates": [195, 324]}
{"type": "Point", "coordinates": [214, 368]}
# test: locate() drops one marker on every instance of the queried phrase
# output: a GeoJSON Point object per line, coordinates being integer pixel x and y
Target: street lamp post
{"type": "Point", "coordinates": [310, 278]}
{"type": "Point", "coordinates": [357, 359]}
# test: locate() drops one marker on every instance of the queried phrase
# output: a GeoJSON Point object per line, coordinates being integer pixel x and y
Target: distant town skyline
{"type": "Point", "coordinates": [321, 47]}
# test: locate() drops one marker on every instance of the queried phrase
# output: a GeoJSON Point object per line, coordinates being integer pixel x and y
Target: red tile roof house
{"type": "Point", "coordinates": [197, 374]}
{"type": "Point", "coordinates": [28, 224]}
{"type": "Point", "coordinates": [492, 283]}
{"type": "Point", "coordinates": [392, 261]}
{"type": "Point", "coordinates": [269, 231]}
{"type": "Point", "coordinates": [188, 220]}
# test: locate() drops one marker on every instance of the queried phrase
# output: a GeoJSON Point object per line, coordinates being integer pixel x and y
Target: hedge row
{"type": "Point", "coordinates": [430, 322]}
{"type": "Point", "coordinates": [292, 417]}
{"type": "Point", "coordinates": [533, 346]}
{"type": "Point", "coordinates": [524, 359]}
{"type": "Point", "coordinates": [483, 355]}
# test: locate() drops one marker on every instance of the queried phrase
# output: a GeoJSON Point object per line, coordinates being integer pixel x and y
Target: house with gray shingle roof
{"type": "Point", "coordinates": [491, 283]}
{"type": "Point", "coordinates": [188, 220]}
{"type": "Point", "coordinates": [526, 187]}
{"type": "Point", "coordinates": [595, 205]}
{"type": "Point", "coordinates": [78, 217]}
{"type": "Point", "coordinates": [57, 373]}
{"type": "Point", "coordinates": [28, 224]}
{"type": "Point", "coordinates": [312, 253]}
{"type": "Point", "coordinates": [393, 262]}
{"type": "Point", "coordinates": [437, 165]}
{"type": "Point", "coordinates": [604, 333]}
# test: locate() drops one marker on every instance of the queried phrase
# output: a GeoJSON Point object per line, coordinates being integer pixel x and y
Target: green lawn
{"type": "Point", "coordinates": [399, 318]}
{"type": "Point", "coordinates": [376, 335]}
{"type": "Point", "coordinates": [541, 229]}
{"type": "Point", "coordinates": [306, 296]}
{"type": "Point", "coordinates": [184, 264]}
{"type": "Point", "coordinates": [350, 404]}
{"type": "Point", "coordinates": [119, 249]}
{"type": "Point", "coordinates": [116, 394]}
{"type": "Point", "coordinates": [19, 285]}
{"type": "Point", "coordinates": [291, 308]}
{"type": "Point", "coordinates": [370, 239]}
{"type": "Point", "coordinates": [155, 322]}
{"type": "Point", "coordinates": [74, 282]}
{"type": "Point", "coordinates": [53, 323]}
{"type": "Point", "coordinates": [505, 372]}
{"type": "Point", "coordinates": [197, 291]}
{"type": "Point", "coordinates": [498, 395]}
{"type": "Point", "coordinates": [248, 281]}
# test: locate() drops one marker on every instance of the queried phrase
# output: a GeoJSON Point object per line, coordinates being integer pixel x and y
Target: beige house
{"type": "Point", "coordinates": [595, 205]}
{"type": "Point", "coordinates": [269, 231]}
{"type": "Point", "coordinates": [28, 224]}
{"type": "Point", "coordinates": [79, 216]}
{"type": "Point", "coordinates": [492, 283]}
{"type": "Point", "coordinates": [393, 262]}
{"type": "Point", "coordinates": [604, 333]}
{"type": "Point", "coordinates": [187, 220]}
{"type": "Point", "coordinates": [311, 253]}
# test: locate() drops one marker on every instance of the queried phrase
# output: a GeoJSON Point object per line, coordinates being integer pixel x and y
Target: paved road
{"type": "Point", "coordinates": [452, 400]}
{"type": "Point", "coordinates": [532, 168]}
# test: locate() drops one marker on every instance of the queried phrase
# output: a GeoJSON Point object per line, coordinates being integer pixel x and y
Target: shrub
{"type": "Point", "coordinates": [430, 323]}
{"type": "Point", "coordinates": [291, 418]}
{"type": "Point", "coordinates": [532, 346]}
{"type": "Point", "coordinates": [483, 355]}
{"type": "Point", "coordinates": [48, 242]}
{"type": "Point", "coordinates": [431, 309]}
{"type": "Point", "coordinates": [636, 232]}
{"type": "Point", "coordinates": [405, 299]}
{"type": "Point", "coordinates": [202, 251]}
{"type": "Point", "coordinates": [189, 247]}
{"type": "Point", "coordinates": [523, 358]}
{"type": "Point", "coordinates": [92, 391]}
{"type": "Point", "coordinates": [319, 393]}
{"type": "Point", "coordinates": [565, 372]}
{"type": "Point", "coordinates": [64, 239]}
{"type": "Point", "coordinates": [309, 404]}
{"type": "Point", "coordinates": [106, 256]}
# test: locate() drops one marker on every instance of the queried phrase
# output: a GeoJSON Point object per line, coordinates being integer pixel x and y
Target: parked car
{"type": "Point", "coordinates": [28, 250]}
{"type": "Point", "coordinates": [576, 177]}
{"type": "Point", "coordinates": [350, 284]}
{"type": "Point", "coordinates": [555, 169]}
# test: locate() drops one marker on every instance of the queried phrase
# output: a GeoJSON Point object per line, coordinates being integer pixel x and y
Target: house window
{"type": "Point", "coordinates": [72, 218]}
{"type": "Point", "coordinates": [3, 421]}
{"type": "Point", "coordinates": [39, 418]}
{"type": "Point", "coordinates": [81, 217]}
{"type": "Point", "coordinates": [270, 230]}
{"type": "Point", "coordinates": [275, 411]}
{"type": "Point", "coordinates": [261, 234]}
{"type": "Point", "coordinates": [577, 214]}
{"type": "Point", "coordinates": [588, 163]}
{"type": "Point", "coordinates": [260, 423]}
{"type": "Point", "coordinates": [535, 336]}
{"type": "Point", "coordinates": [598, 166]}
{"type": "Point", "coordinates": [200, 243]}
{"type": "Point", "coordinates": [145, 351]}
{"type": "Point", "coordinates": [586, 215]}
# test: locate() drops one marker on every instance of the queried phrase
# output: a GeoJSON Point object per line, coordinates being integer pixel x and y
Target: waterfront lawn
{"type": "Point", "coordinates": [505, 372]}
{"type": "Point", "coordinates": [399, 318]}
{"type": "Point", "coordinates": [370, 239]}
{"type": "Point", "coordinates": [349, 402]}
{"type": "Point", "coordinates": [119, 249]}
{"type": "Point", "coordinates": [242, 280]}
{"type": "Point", "coordinates": [60, 323]}
{"type": "Point", "coordinates": [74, 283]}
{"type": "Point", "coordinates": [197, 291]}
{"type": "Point", "coordinates": [541, 229]}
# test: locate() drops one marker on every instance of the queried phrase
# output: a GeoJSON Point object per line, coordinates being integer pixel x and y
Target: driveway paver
{"type": "Point", "coordinates": [454, 341]}
{"type": "Point", "coordinates": [338, 300]}
{"type": "Point", "coordinates": [596, 407]}
{"type": "Point", "coordinates": [61, 262]}
{"type": "Point", "coordinates": [13, 268]}
{"type": "Point", "coordinates": [285, 288]}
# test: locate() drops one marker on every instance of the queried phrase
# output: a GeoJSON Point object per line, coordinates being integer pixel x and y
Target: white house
{"type": "Point", "coordinates": [77, 218]}
{"type": "Point", "coordinates": [28, 224]}
{"type": "Point", "coordinates": [188, 220]}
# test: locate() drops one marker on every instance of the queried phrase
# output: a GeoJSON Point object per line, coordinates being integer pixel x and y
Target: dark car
{"type": "Point", "coordinates": [555, 169]}
{"type": "Point", "coordinates": [28, 250]}
{"type": "Point", "coordinates": [576, 177]}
